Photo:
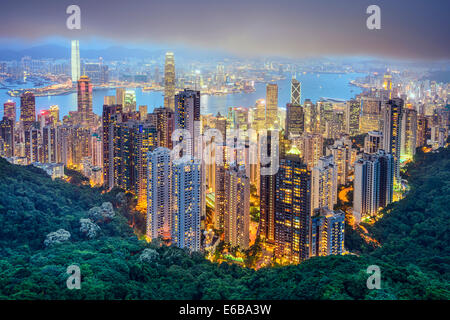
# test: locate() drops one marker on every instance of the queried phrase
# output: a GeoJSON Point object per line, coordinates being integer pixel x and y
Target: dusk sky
{"type": "Point", "coordinates": [292, 28]}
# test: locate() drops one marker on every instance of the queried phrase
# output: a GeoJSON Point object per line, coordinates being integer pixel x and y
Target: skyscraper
{"type": "Point", "coordinates": [10, 110]}
{"type": "Point", "coordinates": [237, 215]}
{"type": "Point", "coordinates": [267, 191]}
{"type": "Point", "coordinates": [352, 112]}
{"type": "Point", "coordinates": [120, 97]}
{"type": "Point", "coordinates": [373, 184]}
{"type": "Point", "coordinates": [54, 112]}
{"type": "Point", "coordinates": [7, 136]}
{"type": "Point", "coordinates": [111, 115]}
{"type": "Point", "coordinates": [370, 114]}
{"type": "Point", "coordinates": [165, 126]}
{"type": "Point", "coordinates": [271, 105]}
{"type": "Point", "coordinates": [50, 144]}
{"type": "Point", "coordinates": [296, 92]}
{"type": "Point", "coordinates": [187, 201]}
{"type": "Point", "coordinates": [169, 81]}
{"type": "Point", "coordinates": [75, 61]}
{"type": "Point", "coordinates": [392, 132]}
{"type": "Point", "coordinates": [27, 110]}
{"type": "Point", "coordinates": [129, 101]}
{"type": "Point", "coordinates": [421, 136]}
{"type": "Point", "coordinates": [85, 101]}
{"type": "Point", "coordinates": [324, 184]}
{"type": "Point", "coordinates": [408, 134]}
{"type": "Point", "coordinates": [159, 206]}
{"type": "Point", "coordinates": [259, 117]}
{"type": "Point", "coordinates": [292, 209]}
{"type": "Point", "coordinates": [187, 117]}
{"type": "Point", "coordinates": [327, 232]}
{"type": "Point", "coordinates": [295, 120]}
{"type": "Point", "coordinates": [220, 185]}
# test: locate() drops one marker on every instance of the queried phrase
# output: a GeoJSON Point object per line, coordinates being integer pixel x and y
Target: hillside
{"type": "Point", "coordinates": [414, 257]}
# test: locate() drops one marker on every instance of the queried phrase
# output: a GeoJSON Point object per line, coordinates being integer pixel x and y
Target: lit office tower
{"type": "Point", "coordinates": [54, 112]}
{"type": "Point", "coordinates": [237, 215]}
{"type": "Point", "coordinates": [132, 141]}
{"type": "Point", "coordinates": [370, 114]}
{"type": "Point", "coordinates": [164, 125]}
{"type": "Point", "coordinates": [109, 100]}
{"type": "Point", "coordinates": [159, 207]}
{"type": "Point", "coordinates": [50, 144]}
{"type": "Point", "coordinates": [111, 115]}
{"type": "Point", "coordinates": [373, 184]}
{"type": "Point", "coordinates": [327, 232]}
{"type": "Point", "coordinates": [27, 110]}
{"type": "Point", "coordinates": [75, 61]}
{"type": "Point", "coordinates": [312, 117]}
{"type": "Point", "coordinates": [7, 136]}
{"type": "Point", "coordinates": [85, 100]}
{"type": "Point", "coordinates": [421, 136]}
{"type": "Point", "coordinates": [352, 111]}
{"type": "Point", "coordinates": [10, 110]}
{"type": "Point", "coordinates": [120, 97]}
{"type": "Point", "coordinates": [408, 134]}
{"type": "Point", "coordinates": [387, 84]}
{"type": "Point", "coordinates": [129, 101]}
{"type": "Point", "coordinates": [295, 120]}
{"type": "Point", "coordinates": [145, 140]}
{"type": "Point", "coordinates": [271, 105]}
{"type": "Point", "coordinates": [259, 118]}
{"type": "Point", "coordinates": [169, 81]}
{"type": "Point", "coordinates": [392, 132]}
{"type": "Point", "coordinates": [267, 191]}
{"type": "Point", "coordinates": [296, 92]}
{"type": "Point", "coordinates": [187, 117]}
{"type": "Point", "coordinates": [186, 203]}
{"type": "Point", "coordinates": [324, 184]}
{"type": "Point", "coordinates": [292, 209]}
{"type": "Point", "coordinates": [373, 142]}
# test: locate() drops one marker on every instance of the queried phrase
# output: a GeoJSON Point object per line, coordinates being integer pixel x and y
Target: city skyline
{"type": "Point", "coordinates": [236, 150]}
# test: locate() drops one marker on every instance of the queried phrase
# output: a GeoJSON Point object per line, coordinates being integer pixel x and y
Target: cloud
{"type": "Point", "coordinates": [292, 28]}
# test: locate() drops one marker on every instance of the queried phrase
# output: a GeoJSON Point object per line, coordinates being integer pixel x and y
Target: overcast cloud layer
{"type": "Point", "coordinates": [413, 29]}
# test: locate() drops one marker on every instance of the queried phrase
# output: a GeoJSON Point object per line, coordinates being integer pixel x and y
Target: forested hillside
{"type": "Point", "coordinates": [48, 225]}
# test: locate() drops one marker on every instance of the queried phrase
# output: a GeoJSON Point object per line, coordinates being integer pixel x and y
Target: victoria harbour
{"type": "Point", "coordinates": [314, 86]}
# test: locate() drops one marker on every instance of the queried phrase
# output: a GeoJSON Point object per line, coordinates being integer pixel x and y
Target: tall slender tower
{"type": "Point", "coordinates": [271, 104]}
{"type": "Point", "coordinates": [10, 110]}
{"type": "Point", "coordinates": [237, 215]}
{"type": "Point", "coordinates": [186, 203]}
{"type": "Point", "coordinates": [187, 117]}
{"type": "Point", "coordinates": [295, 120]}
{"type": "Point", "coordinates": [159, 207]}
{"type": "Point", "coordinates": [296, 92]}
{"type": "Point", "coordinates": [85, 100]}
{"type": "Point", "coordinates": [75, 61]}
{"type": "Point", "coordinates": [392, 132]}
{"type": "Point", "coordinates": [292, 209]}
{"type": "Point", "coordinates": [409, 134]}
{"type": "Point", "coordinates": [27, 109]}
{"type": "Point", "coordinates": [324, 184]}
{"type": "Point", "coordinates": [169, 81]}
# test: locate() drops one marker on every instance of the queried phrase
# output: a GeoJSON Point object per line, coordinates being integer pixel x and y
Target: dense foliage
{"type": "Point", "coordinates": [414, 257]}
